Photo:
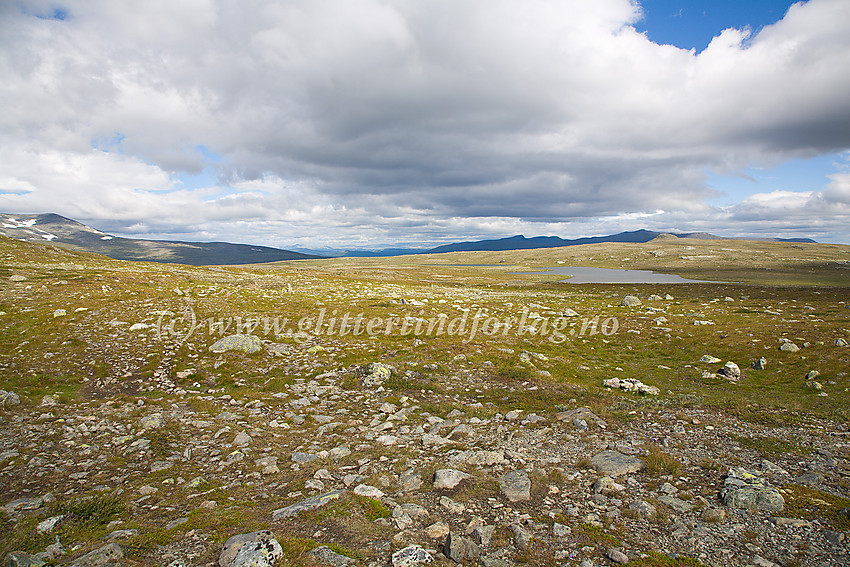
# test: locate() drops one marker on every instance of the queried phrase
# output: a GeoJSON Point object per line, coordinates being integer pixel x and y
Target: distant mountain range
{"type": "Point", "coordinates": [519, 241]}
{"type": "Point", "coordinates": [50, 227]}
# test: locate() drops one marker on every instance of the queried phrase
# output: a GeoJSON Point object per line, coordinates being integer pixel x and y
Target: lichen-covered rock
{"type": "Point", "coordinates": [257, 549]}
{"type": "Point", "coordinates": [410, 556]}
{"type": "Point", "coordinates": [748, 491]}
{"type": "Point", "coordinates": [630, 301]}
{"type": "Point", "coordinates": [249, 344]}
{"type": "Point", "coordinates": [9, 398]}
{"type": "Point", "coordinates": [376, 373]}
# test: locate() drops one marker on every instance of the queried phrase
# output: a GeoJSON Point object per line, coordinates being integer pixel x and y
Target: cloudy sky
{"type": "Point", "coordinates": [367, 123]}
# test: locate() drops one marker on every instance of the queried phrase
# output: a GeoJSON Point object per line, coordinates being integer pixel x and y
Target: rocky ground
{"type": "Point", "coordinates": [126, 441]}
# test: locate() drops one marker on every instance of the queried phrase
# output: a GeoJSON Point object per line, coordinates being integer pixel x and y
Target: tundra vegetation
{"type": "Point", "coordinates": [440, 405]}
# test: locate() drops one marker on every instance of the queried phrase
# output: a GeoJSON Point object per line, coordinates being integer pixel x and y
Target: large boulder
{"type": "Point", "coordinates": [249, 344]}
{"type": "Point", "coordinates": [257, 549]}
{"type": "Point", "coordinates": [614, 463]}
{"type": "Point", "coordinates": [516, 486]}
{"type": "Point", "coordinates": [745, 490]}
{"type": "Point", "coordinates": [375, 374]}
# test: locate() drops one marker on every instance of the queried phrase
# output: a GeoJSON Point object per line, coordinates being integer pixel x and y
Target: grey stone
{"type": "Point", "coordinates": [299, 457]}
{"type": "Point", "coordinates": [306, 504]}
{"type": "Point", "coordinates": [748, 491]}
{"type": "Point", "coordinates": [110, 554]}
{"type": "Point", "coordinates": [675, 503]}
{"type": "Point", "coordinates": [731, 371]}
{"type": "Point", "coordinates": [376, 374]}
{"type": "Point", "coordinates": [479, 458]}
{"type": "Point", "coordinates": [522, 537]}
{"type": "Point", "coordinates": [482, 535]}
{"type": "Point", "coordinates": [24, 504]}
{"type": "Point", "coordinates": [561, 531]}
{"type": "Point", "coordinates": [326, 555]}
{"type": "Point", "coordinates": [614, 463]}
{"type": "Point", "coordinates": [459, 549]}
{"type": "Point", "coordinates": [410, 556]}
{"type": "Point", "coordinates": [582, 414]}
{"type": "Point", "coordinates": [643, 509]}
{"type": "Point", "coordinates": [9, 398]}
{"type": "Point", "coordinates": [447, 479]}
{"type": "Point", "coordinates": [516, 486]}
{"type": "Point", "coordinates": [810, 479]}
{"type": "Point", "coordinates": [242, 439]}
{"type": "Point", "coordinates": [410, 481]}
{"type": "Point", "coordinates": [617, 556]}
{"type": "Point", "coordinates": [713, 515]}
{"type": "Point", "coordinates": [789, 347]}
{"type": "Point", "coordinates": [256, 549]}
{"type": "Point", "coordinates": [833, 537]}
{"type": "Point", "coordinates": [21, 559]}
{"type": "Point", "coordinates": [630, 301]}
{"type": "Point", "coordinates": [49, 401]}
{"type": "Point", "coordinates": [759, 364]}
{"type": "Point", "coordinates": [368, 491]}
{"type": "Point", "coordinates": [249, 344]}
{"type": "Point", "coordinates": [708, 359]}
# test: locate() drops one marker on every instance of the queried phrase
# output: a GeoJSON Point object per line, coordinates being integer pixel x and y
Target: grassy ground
{"type": "Point", "coordinates": [122, 326]}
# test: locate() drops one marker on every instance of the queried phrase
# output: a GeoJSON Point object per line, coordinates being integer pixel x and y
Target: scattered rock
{"type": "Point", "coordinates": [617, 556]}
{"type": "Point", "coordinates": [21, 559]}
{"type": "Point", "coordinates": [410, 556]}
{"type": "Point", "coordinates": [748, 491]}
{"type": "Point", "coordinates": [107, 556]}
{"type": "Point", "coordinates": [460, 549]}
{"type": "Point", "coordinates": [9, 399]}
{"type": "Point", "coordinates": [326, 555]}
{"type": "Point", "coordinates": [630, 301]}
{"type": "Point", "coordinates": [516, 486]}
{"type": "Point", "coordinates": [730, 371]}
{"type": "Point", "coordinates": [257, 549]}
{"type": "Point", "coordinates": [614, 463]}
{"type": "Point", "coordinates": [152, 421]}
{"type": "Point", "coordinates": [759, 364]}
{"type": "Point", "coordinates": [376, 373]}
{"type": "Point", "coordinates": [249, 344]}
{"type": "Point", "coordinates": [306, 504]}
{"type": "Point", "coordinates": [447, 479]}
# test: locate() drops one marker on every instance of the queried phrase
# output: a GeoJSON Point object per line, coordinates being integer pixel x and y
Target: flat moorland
{"type": "Point", "coordinates": [126, 422]}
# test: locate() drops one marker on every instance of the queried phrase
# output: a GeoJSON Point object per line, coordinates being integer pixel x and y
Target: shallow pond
{"type": "Point", "coordinates": [584, 275]}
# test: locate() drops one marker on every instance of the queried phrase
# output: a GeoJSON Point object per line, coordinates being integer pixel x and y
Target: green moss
{"type": "Point", "coordinates": [811, 504]}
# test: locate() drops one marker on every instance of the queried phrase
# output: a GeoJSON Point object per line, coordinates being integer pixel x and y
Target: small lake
{"type": "Point", "coordinates": [584, 275]}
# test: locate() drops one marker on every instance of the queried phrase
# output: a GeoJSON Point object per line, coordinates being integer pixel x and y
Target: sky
{"type": "Point", "coordinates": [357, 124]}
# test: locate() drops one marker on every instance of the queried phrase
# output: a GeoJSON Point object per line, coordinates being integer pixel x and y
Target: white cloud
{"type": "Point", "coordinates": [402, 120]}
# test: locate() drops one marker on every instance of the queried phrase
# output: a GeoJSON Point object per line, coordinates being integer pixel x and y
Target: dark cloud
{"type": "Point", "coordinates": [399, 120]}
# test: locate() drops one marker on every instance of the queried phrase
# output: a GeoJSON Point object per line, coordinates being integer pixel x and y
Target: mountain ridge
{"type": "Point", "coordinates": [55, 228]}
{"type": "Point", "coordinates": [62, 231]}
